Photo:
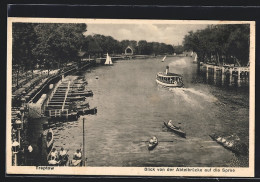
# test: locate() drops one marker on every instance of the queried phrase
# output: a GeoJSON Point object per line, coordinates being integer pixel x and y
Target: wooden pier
{"type": "Point", "coordinates": [66, 92]}
{"type": "Point", "coordinates": [240, 73]}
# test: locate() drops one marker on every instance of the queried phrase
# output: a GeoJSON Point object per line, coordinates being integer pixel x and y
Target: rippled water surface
{"type": "Point", "coordinates": [132, 108]}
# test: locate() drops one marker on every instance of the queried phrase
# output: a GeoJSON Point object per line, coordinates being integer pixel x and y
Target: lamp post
{"type": "Point", "coordinates": [15, 147]}
{"type": "Point", "coordinates": [18, 126]}
{"type": "Point", "coordinates": [22, 109]}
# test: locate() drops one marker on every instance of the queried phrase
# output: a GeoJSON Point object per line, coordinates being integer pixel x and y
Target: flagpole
{"type": "Point", "coordinates": [83, 155]}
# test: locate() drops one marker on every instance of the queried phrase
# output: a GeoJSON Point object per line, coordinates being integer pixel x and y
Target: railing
{"type": "Point", "coordinates": [58, 113]}
{"type": "Point", "coordinates": [66, 94]}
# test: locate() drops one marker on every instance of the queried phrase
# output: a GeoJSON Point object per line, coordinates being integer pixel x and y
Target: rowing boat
{"type": "Point", "coordinates": [49, 140]}
{"type": "Point", "coordinates": [85, 111]}
{"type": "Point", "coordinates": [153, 142]}
{"type": "Point", "coordinates": [175, 129]}
{"type": "Point", "coordinates": [231, 143]}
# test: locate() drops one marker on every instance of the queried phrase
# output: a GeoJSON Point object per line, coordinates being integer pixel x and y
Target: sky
{"type": "Point", "coordinates": [164, 33]}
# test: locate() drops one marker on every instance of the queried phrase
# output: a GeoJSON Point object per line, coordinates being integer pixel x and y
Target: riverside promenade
{"type": "Point", "coordinates": [27, 127]}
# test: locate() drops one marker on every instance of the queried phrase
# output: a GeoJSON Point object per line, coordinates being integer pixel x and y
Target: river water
{"type": "Point", "coordinates": [132, 108]}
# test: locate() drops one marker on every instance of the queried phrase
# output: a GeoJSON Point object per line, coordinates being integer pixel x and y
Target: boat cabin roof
{"type": "Point", "coordinates": [168, 74]}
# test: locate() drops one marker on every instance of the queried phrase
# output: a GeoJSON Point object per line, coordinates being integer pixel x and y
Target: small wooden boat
{"type": "Point", "coordinates": [175, 129]}
{"type": "Point", "coordinates": [80, 82]}
{"type": "Point", "coordinates": [231, 143]}
{"type": "Point", "coordinates": [75, 163]}
{"type": "Point", "coordinates": [84, 111]}
{"type": "Point", "coordinates": [73, 116]}
{"type": "Point", "coordinates": [77, 94]}
{"type": "Point", "coordinates": [49, 140]}
{"type": "Point", "coordinates": [153, 142]}
{"type": "Point", "coordinates": [77, 98]}
{"type": "Point", "coordinates": [83, 105]}
{"type": "Point", "coordinates": [82, 88]}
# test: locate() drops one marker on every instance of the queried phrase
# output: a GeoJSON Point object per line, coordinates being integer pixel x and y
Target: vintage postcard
{"type": "Point", "coordinates": [130, 97]}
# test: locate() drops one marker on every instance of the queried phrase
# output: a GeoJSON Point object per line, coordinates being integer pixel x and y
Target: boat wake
{"type": "Point", "coordinates": [182, 94]}
{"type": "Point", "coordinates": [193, 97]}
{"type": "Point", "coordinates": [206, 97]}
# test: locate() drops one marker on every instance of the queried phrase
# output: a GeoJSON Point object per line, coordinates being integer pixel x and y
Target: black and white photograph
{"type": "Point", "coordinates": [130, 97]}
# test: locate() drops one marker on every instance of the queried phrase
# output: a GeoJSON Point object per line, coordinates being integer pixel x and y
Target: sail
{"type": "Point", "coordinates": [163, 58]}
{"type": "Point", "coordinates": [108, 60]}
{"type": "Point", "coordinates": [195, 58]}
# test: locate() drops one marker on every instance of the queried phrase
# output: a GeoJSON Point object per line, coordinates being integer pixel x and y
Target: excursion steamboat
{"type": "Point", "coordinates": [169, 79]}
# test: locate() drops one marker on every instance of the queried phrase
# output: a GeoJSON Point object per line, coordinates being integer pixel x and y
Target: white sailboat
{"type": "Point", "coordinates": [108, 60]}
{"type": "Point", "coordinates": [163, 58]}
{"type": "Point", "coordinates": [195, 58]}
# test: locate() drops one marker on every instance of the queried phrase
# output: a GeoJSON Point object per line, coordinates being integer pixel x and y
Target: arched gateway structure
{"type": "Point", "coordinates": [129, 51]}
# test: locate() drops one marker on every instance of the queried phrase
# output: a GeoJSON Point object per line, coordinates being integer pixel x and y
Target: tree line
{"type": "Point", "coordinates": [46, 44]}
{"type": "Point", "coordinates": [107, 44]}
{"type": "Point", "coordinates": [51, 45]}
{"type": "Point", "coordinates": [222, 44]}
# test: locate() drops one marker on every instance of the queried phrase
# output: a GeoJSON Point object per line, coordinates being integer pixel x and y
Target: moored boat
{"type": "Point", "coordinates": [169, 79]}
{"type": "Point", "coordinates": [49, 140]}
{"type": "Point", "coordinates": [153, 142]}
{"type": "Point", "coordinates": [76, 98]}
{"type": "Point", "coordinates": [87, 110]}
{"type": "Point", "coordinates": [80, 82]}
{"type": "Point", "coordinates": [175, 129]}
{"type": "Point", "coordinates": [88, 93]}
{"type": "Point", "coordinates": [82, 105]}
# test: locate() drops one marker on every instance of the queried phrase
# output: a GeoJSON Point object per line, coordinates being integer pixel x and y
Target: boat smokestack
{"type": "Point", "coordinates": [167, 70]}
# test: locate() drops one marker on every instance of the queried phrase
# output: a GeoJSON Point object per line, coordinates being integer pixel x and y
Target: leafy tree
{"type": "Point", "coordinates": [220, 43]}
{"type": "Point", "coordinates": [23, 42]}
{"type": "Point", "coordinates": [91, 46]}
{"type": "Point", "coordinates": [142, 47]}
{"type": "Point", "coordinates": [58, 43]}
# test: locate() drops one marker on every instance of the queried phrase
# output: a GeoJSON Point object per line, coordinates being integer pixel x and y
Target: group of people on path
{"type": "Point", "coordinates": [58, 158]}
{"type": "Point", "coordinates": [61, 157]}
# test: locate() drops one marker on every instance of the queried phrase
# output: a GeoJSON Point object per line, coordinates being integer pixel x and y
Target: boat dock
{"type": "Point", "coordinates": [67, 91]}
{"type": "Point", "coordinates": [234, 74]}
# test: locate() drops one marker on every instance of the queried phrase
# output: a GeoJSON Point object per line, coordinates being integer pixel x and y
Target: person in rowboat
{"type": "Point", "coordinates": [153, 140]}
{"type": "Point", "coordinates": [171, 125]}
